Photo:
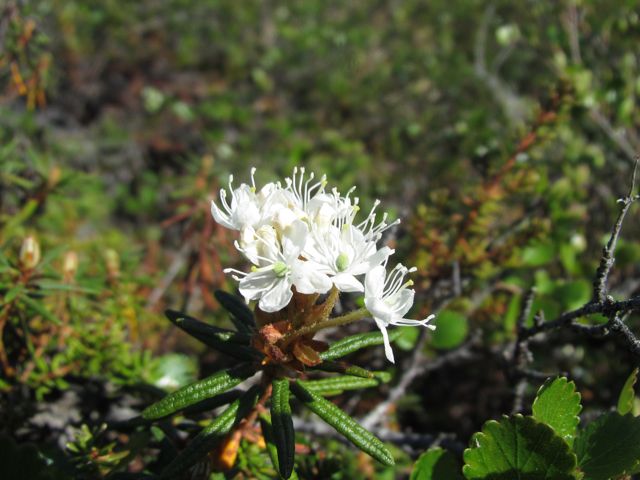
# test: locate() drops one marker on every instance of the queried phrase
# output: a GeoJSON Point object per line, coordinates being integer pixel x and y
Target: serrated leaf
{"type": "Point", "coordinates": [344, 424]}
{"type": "Point", "coordinates": [283, 432]}
{"type": "Point", "coordinates": [241, 315]}
{"type": "Point", "coordinates": [267, 433]}
{"type": "Point", "coordinates": [558, 404]}
{"type": "Point", "coordinates": [628, 394]}
{"type": "Point", "coordinates": [198, 391]}
{"type": "Point", "coordinates": [609, 446]}
{"type": "Point", "coordinates": [436, 464]}
{"type": "Point", "coordinates": [234, 344]}
{"type": "Point", "coordinates": [353, 343]}
{"type": "Point", "coordinates": [518, 447]}
{"type": "Point", "coordinates": [338, 384]}
{"type": "Point", "coordinates": [212, 434]}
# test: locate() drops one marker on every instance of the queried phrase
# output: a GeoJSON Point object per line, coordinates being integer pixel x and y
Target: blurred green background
{"type": "Point", "coordinates": [501, 133]}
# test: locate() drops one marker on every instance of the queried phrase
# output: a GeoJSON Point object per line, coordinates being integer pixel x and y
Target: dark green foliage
{"type": "Point", "coordinates": [198, 391]}
{"type": "Point", "coordinates": [558, 405]}
{"type": "Point", "coordinates": [232, 343]}
{"type": "Point", "coordinates": [212, 434]}
{"type": "Point", "coordinates": [352, 344]}
{"type": "Point", "coordinates": [609, 446]}
{"type": "Point", "coordinates": [282, 426]}
{"type": "Point", "coordinates": [343, 424]}
{"type": "Point", "coordinates": [241, 316]}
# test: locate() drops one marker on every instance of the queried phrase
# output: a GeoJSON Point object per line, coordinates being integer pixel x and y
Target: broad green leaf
{"type": "Point", "coordinates": [337, 385]}
{"type": "Point", "coordinates": [436, 464]}
{"type": "Point", "coordinates": [283, 432]}
{"type": "Point", "coordinates": [234, 344]}
{"type": "Point", "coordinates": [407, 339]}
{"type": "Point", "coordinates": [538, 254]}
{"type": "Point", "coordinates": [451, 329]}
{"type": "Point", "coordinates": [198, 391]}
{"type": "Point", "coordinates": [518, 447]}
{"type": "Point", "coordinates": [344, 424]}
{"type": "Point", "coordinates": [354, 343]}
{"type": "Point", "coordinates": [628, 394]}
{"type": "Point", "coordinates": [241, 315]}
{"type": "Point", "coordinates": [212, 434]}
{"type": "Point", "coordinates": [272, 450]}
{"type": "Point", "coordinates": [558, 404]}
{"type": "Point", "coordinates": [608, 446]}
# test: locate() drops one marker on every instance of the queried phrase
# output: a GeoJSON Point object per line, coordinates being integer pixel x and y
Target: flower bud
{"type": "Point", "coordinates": [70, 265]}
{"type": "Point", "coordinates": [29, 253]}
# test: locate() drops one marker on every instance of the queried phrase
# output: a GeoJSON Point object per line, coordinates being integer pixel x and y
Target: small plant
{"type": "Point", "coordinates": [548, 443]}
{"type": "Point", "coordinates": [306, 249]}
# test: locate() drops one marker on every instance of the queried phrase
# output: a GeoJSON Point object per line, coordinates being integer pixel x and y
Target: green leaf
{"type": "Point", "coordinates": [518, 447]}
{"type": "Point", "coordinates": [436, 464]}
{"type": "Point", "coordinates": [538, 254]}
{"type": "Point", "coordinates": [344, 424]}
{"type": "Point", "coordinates": [241, 315]}
{"type": "Point", "coordinates": [40, 309]}
{"type": "Point", "coordinates": [354, 343]}
{"type": "Point", "coordinates": [212, 434]}
{"type": "Point", "coordinates": [558, 404]}
{"type": "Point", "coordinates": [608, 446]}
{"type": "Point", "coordinates": [234, 344]}
{"type": "Point", "coordinates": [451, 329]}
{"type": "Point", "coordinates": [345, 368]}
{"type": "Point", "coordinates": [198, 391]}
{"type": "Point", "coordinates": [272, 450]}
{"type": "Point", "coordinates": [407, 339]}
{"type": "Point", "coordinates": [337, 385]}
{"type": "Point", "coordinates": [628, 394]}
{"type": "Point", "coordinates": [283, 432]}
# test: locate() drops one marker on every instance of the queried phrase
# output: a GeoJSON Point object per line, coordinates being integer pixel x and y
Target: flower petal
{"type": "Point", "coordinates": [388, 351]}
{"type": "Point", "coordinates": [309, 279]}
{"type": "Point", "coordinates": [277, 297]}
{"type": "Point", "coordinates": [345, 282]}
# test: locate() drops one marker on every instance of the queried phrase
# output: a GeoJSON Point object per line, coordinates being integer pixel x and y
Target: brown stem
{"type": "Point", "coordinates": [315, 327]}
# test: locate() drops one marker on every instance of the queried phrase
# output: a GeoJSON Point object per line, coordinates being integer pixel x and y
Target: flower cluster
{"type": "Point", "coordinates": [301, 235]}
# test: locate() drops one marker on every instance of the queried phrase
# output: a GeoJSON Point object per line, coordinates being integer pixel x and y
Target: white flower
{"type": "Point", "coordinates": [388, 300]}
{"type": "Point", "coordinates": [279, 268]}
{"type": "Point", "coordinates": [343, 252]}
{"type": "Point", "coordinates": [245, 207]}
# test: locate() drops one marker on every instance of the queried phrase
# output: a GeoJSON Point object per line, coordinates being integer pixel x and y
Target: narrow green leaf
{"type": "Point", "coordinates": [337, 385]}
{"type": "Point", "coordinates": [609, 446]}
{"type": "Point", "coordinates": [558, 404]}
{"type": "Point", "coordinates": [241, 315]}
{"type": "Point", "coordinates": [345, 368]}
{"type": "Point", "coordinates": [283, 432]}
{"type": "Point", "coordinates": [353, 343]}
{"type": "Point", "coordinates": [518, 447]}
{"type": "Point", "coordinates": [234, 344]}
{"type": "Point", "coordinates": [40, 309]}
{"type": "Point", "coordinates": [343, 424]}
{"type": "Point", "coordinates": [628, 394]}
{"type": "Point", "coordinates": [198, 391]}
{"type": "Point", "coordinates": [436, 464]}
{"type": "Point", "coordinates": [13, 293]}
{"type": "Point", "coordinates": [212, 434]}
{"type": "Point", "coordinates": [272, 450]}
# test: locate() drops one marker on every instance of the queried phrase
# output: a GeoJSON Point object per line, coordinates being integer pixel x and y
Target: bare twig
{"type": "Point", "coordinates": [608, 259]}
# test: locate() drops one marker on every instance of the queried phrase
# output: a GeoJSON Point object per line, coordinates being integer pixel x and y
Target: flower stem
{"type": "Point", "coordinates": [331, 322]}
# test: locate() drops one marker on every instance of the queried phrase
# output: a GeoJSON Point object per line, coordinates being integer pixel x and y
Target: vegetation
{"type": "Point", "coordinates": [503, 134]}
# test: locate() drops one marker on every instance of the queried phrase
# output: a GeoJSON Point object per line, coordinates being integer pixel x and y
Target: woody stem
{"type": "Point", "coordinates": [331, 322]}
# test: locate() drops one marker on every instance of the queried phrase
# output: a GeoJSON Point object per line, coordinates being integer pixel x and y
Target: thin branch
{"type": "Point", "coordinates": [608, 252]}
